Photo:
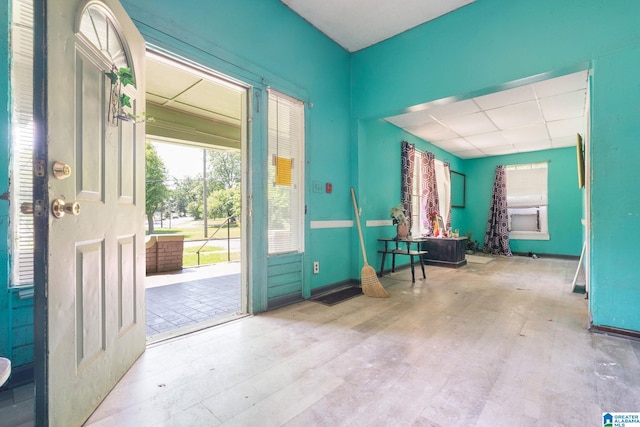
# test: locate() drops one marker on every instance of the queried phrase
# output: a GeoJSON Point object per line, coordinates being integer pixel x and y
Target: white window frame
{"type": "Point", "coordinates": [286, 132]}
{"type": "Point", "coordinates": [527, 195]}
{"type": "Point", "coordinates": [443, 181]}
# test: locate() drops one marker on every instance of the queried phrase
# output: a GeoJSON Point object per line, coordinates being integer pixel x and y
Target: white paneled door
{"type": "Point", "coordinates": [89, 205]}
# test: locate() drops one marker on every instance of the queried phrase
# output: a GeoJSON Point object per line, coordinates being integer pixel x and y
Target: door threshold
{"type": "Point", "coordinates": [191, 329]}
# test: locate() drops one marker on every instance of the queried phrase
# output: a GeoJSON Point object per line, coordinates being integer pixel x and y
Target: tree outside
{"type": "Point", "coordinates": [157, 192]}
{"type": "Point", "coordinates": [224, 170]}
{"type": "Point", "coordinates": [176, 191]}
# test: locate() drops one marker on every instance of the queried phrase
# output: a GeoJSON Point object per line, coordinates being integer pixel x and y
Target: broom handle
{"type": "Point", "coordinates": [355, 209]}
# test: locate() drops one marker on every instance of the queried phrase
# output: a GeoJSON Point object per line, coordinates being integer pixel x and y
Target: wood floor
{"type": "Point", "coordinates": [505, 343]}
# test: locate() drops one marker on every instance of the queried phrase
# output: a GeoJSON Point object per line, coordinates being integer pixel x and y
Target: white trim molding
{"type": "Point", "coordinates": [332, 224]}
{"type": "Point", "coordinates": [379, 222]}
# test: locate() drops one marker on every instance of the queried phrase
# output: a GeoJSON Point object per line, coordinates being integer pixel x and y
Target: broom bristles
{"type": "Point", "coordinates": [371, 286]}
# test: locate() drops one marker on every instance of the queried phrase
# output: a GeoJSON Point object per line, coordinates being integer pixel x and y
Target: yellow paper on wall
{"type": "Point", "coordinates": [283, 171]}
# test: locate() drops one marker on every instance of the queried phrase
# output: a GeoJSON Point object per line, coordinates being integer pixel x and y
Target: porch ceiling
{"type": "Point", "coordinates": [191, 106]}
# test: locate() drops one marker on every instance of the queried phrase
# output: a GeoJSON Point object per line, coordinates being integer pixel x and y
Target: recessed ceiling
{"type": "Point", "coordinates": [356, 24]}
{"type": "Point", "coordinates": [538, 116]}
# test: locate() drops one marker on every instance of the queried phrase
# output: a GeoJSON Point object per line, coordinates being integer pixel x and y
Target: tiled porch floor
{"type": "Point", "coordinates": [194, 295]}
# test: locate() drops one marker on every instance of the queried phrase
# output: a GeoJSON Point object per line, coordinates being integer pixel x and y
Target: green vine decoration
{"type": "Point", "coordinates": [121, 78]}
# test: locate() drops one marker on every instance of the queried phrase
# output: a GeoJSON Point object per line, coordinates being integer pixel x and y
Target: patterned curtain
{"type": "Point", "coordinates": [496, 239]}
{"type": "Point", "coordinates": [447, 220]}
{"type": "Point", "coordinates": [429, 190]}
{"type": "Point", "coordinates": [406, 173]}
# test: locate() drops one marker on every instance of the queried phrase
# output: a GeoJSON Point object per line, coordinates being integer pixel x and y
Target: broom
{"type": "Point", "coordinates": [371, 286]}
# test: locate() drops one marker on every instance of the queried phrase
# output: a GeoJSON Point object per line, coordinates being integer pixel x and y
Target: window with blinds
{"type": "Point", "coordinates": [285, 168]}
{"type": "Point", "coordinates": [527, 202]}
{"type": "Point", "coordinates": [22, 140]}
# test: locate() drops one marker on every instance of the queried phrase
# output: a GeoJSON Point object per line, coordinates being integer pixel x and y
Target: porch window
{"type": "Point", "coordinates": [285, 167]}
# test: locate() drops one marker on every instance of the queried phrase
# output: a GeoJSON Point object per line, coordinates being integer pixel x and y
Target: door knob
{"type": "Point", "coordinates": [61, 170]}
{"type": "Point", "coordinates": [59, 208]}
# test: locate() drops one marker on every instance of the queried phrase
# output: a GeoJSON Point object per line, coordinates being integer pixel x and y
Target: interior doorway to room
{"type": "Point", "coordinates": [196, 127]}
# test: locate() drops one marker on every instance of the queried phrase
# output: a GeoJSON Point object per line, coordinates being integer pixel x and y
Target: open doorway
{"type": "Point", "coordinates": [196, 122]}
{"type": "Point", "coordinates": [193, 278]}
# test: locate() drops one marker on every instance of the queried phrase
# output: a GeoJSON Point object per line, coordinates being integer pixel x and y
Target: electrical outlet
{"type": "Point", "coordinates": [316, 267]}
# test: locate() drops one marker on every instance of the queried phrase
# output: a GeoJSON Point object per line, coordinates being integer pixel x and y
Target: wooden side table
{"type": "Point", "coordinates": [396, 250]}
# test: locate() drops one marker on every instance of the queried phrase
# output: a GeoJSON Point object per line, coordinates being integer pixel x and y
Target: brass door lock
{"type": "Point", "coordinates": [61, 170]}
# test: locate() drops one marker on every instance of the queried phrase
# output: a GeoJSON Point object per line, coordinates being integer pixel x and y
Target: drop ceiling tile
{"type": "Point", "coordinates": [568, 127]}
{"type": "Point", "coordinates": [460, 108]}
{"type": "Point", "coordinates": [500, 150]}
{"type": "Point", "coordinates": [562, 84]}
{"type": "Point", "coordinates": [526, 133]}
{"type": "Point", "coordinates": [490, 139]}
{"type": "Point", "coordinates": [521, 121]}
{"type": "Point", "coordinates": [517, 115]}
{"type": "Point", "coordinates": [564, 106]}
{"type": "Point", "coordinates": [565, 141]}
{"type": "Point", "coordinates": [506, 97]}
{"type": "Point", "coordinates": [524, 147]}
{"type": "Point", "coordinates": [469, 154]}
{"type": "Point", "coordinates": [471, 124]}
{"type": "Point", "coordinates": [411, 120]}
{"type": "Point", "coordinates": [456, 144]}
{"type": "Point", "coordinates": [433, 131]}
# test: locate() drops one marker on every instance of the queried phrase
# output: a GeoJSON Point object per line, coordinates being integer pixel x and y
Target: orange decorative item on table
{"type": "Point", "coordinates": [434, 223]}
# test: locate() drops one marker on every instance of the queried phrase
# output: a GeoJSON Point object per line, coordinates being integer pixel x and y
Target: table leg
{"type": "Point", "coordinates": [413, 274]}
{"type": "Point", "coordinates": [424, 276]}
{"type": "Point", "coordinates": [384, 255]}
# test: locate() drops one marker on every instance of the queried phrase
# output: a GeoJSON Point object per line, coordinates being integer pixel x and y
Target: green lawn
{"type": "Point", "coordinates": [194, 230]}
{"type": "Point", "coordinates": [208, 255]}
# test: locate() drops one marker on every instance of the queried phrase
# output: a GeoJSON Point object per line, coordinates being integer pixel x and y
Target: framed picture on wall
{"type": "Point", "coordinates": [458, 189]}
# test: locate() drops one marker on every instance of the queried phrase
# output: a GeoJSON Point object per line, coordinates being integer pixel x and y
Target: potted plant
{"type": "Point", "coordinates": [400, 219]}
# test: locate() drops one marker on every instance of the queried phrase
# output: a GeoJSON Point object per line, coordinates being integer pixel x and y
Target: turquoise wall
{"type": "Point", "coordinates": [615, 202]}
{"type": "Point", "coordinates": [565, 200]}
{"type": "Point", "coordinates": [490, 43]}
{"type": "Point", "coordinates": [265, 44]}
